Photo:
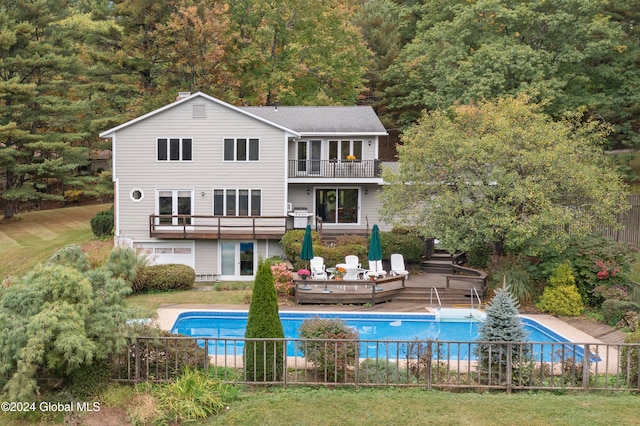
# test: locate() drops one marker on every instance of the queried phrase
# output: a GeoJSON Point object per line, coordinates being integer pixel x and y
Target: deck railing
{"type": "Point", "coordinates": [334, 168]}
{"type": "Point", "coordinates": [430, 364]}
{"type": "Point", "coordinates": [216, 227]}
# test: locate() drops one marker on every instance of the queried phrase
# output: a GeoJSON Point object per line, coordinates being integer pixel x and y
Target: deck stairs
{"type": "Point", "coordinates": [438, 263]}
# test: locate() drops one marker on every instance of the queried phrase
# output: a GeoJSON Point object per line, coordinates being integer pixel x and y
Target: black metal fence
{"type": "Point", "coordinates": [430, 364]}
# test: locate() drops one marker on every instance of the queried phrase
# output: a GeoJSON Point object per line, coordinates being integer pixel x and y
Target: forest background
{"type": "Point", "coordinates": [70, 69]}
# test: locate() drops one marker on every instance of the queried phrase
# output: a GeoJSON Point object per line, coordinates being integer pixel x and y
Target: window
{"type": "Point", "coordinates": [241, 149]}
{"type": "Point", "coordinates": [337, 205]}
{"type": "Point", "coordinates": [174, 207]}
{"type": "Point", "coordinates": [340, 150]}
{"type": "Point", "coordinates": [237, 202]}
{"type": "Point", "coordinates": [136, 195]}
{"type": "Point", "coordinates": [175, 149]}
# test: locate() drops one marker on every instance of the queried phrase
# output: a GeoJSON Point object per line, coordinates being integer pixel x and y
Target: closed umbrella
{"type": "Point", "coordinates": [307, 245]}
{"type": "Point", "coordinates": [306, 253]}
{"type": "Point", "coordinates": [375, 249]}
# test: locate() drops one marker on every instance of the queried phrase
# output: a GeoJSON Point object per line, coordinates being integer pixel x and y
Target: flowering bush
{"type": "Point", "coordinates": [304, 272]}
{"type": "Point", "coordinates": [282, 279]}
{"type": "Point", "coordinates": [606, 269]}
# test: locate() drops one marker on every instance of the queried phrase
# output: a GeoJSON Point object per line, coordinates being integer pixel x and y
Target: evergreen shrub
{"type": "Point", "coordinates": [330, 358]}
{"type": "Point", "coordinates": [172, 276]}
{"type": "Point", "coordinates": [102, 223]}
{"type": "Point", "coordinates": [561, 296]}
{"type": "Point", "coordinates": [614, 311]}
{"type": "Point", "coordinates": [264, 360]}
{"type": "Point", "coordinates": [401, 240]}
{"type": "Point", "coordinates": [503, 324]}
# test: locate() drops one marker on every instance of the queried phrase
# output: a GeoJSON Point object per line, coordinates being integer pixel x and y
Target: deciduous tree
{"type": "Point", "coordinates": [502, 175]}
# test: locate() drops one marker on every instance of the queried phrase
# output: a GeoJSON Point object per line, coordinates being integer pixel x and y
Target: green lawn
{"type": "Point", "coordinates": [415, 407]}
{"type": "Point", "coordinates": [33, 237]}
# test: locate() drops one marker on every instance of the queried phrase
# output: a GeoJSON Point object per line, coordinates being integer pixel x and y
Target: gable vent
{"type": "Point", "coordinates": [199, 111]}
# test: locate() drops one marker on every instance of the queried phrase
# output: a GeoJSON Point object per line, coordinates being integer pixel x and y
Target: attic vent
{"type": "Point", "coordinates": [182, 95]}
{"type": "Point", "coordinates": [199, 111]}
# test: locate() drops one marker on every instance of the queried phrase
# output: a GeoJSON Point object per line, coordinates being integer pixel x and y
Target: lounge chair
{"type": "Point", "coordinates": [317, 268]}
{"type": "Point", "coordinates": [397, 266]}
{"type": "Point", "coordinates": [352, 261]}
{"type": "Point", "coordinates": [375, 269]}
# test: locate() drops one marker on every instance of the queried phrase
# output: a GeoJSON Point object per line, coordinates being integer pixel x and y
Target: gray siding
{"type": "Point", "coordinates": [136, 166]}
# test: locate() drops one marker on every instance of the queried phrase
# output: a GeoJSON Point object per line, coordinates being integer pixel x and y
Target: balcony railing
{"type": "Point", "coordinates": [217, 227]}
{"type": "Point", "coordinates": [334, 168]}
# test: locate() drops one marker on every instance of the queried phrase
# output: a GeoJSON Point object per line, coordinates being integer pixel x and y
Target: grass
{"type": "Point", "coordinates": [201, 293]}
{"type": "Point", "coordinates": [414, 406]}
{"type": "Point", "coordinates": [33, 237]}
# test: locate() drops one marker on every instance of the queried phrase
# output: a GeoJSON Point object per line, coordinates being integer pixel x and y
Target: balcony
{"type": "Point", "coordinates": [356, 169]}
{"type": "Point", "coordinates": [217, 227]}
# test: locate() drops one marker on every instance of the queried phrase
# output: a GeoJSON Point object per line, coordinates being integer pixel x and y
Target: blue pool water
{"type": "Point", "coordinates": [373, 330]}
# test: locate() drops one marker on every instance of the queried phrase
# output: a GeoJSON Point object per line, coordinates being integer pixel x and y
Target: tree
{"type": "Point", "coordinates": [296, 52]}
{"type": "Point", "coordinates": [61, 317]}
{"type": "Point", "coordinates": [40, 137]}
{"type": "Point", "coordinates": [264, 360]}
{"type": "Point", "coordinates": [568, 54]}
{"type": "Point", "coordinates": [501, 175]}
{"type": "Point", "coordinates": [503, 324]}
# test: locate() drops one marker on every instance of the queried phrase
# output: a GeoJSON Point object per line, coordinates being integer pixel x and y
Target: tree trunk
{"type": "Point", "coordinates": [496, 252]}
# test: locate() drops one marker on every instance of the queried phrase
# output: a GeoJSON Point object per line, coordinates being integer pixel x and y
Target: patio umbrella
{"type": "Point", "coordinates": [306, 253]}
{"type": "Point", "coordinates": [307, 245]}
{"type": "Point", "coordinates": [375, 250]}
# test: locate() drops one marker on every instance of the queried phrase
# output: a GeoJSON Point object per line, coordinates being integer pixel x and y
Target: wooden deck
{"type": "Point", "coordinates": [348, 291]}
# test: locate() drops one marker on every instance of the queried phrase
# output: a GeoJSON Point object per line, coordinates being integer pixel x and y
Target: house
{"type": "Point", "coordinates": [216, 186]}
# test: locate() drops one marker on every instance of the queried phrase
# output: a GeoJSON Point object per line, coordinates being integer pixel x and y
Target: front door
{"type": "Point", "coordinates": [237, 260]}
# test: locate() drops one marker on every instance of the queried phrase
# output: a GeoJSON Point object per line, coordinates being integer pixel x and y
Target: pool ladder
{"type": "Point", "coordinates": [475, 296]}
{"type": "Point", "coordinates": [434, 290]}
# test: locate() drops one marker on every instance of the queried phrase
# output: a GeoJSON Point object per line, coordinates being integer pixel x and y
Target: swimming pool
{"type": "Point", "coordinates": [228, 329]}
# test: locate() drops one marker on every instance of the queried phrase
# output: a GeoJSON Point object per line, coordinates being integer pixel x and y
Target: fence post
{"type": "Point", "coordinates": [585, 367]}
{"type": "Point", "coordinates": [137, 360]}
{"type": "Point", "coordinates": [509, 370]}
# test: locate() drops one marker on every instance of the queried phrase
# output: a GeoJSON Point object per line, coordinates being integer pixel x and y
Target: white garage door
{"type": "Point", "coordinates": [168, 252]}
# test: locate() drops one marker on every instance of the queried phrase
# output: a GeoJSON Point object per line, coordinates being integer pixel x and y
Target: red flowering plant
{"type": "Point", "coordinates": [282, 279]}
{"type": "Point", "coordinates": [606, 269]}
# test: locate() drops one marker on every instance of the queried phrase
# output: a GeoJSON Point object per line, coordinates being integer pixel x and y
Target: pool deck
{"type": "Point", "coordinates": [578, 331]}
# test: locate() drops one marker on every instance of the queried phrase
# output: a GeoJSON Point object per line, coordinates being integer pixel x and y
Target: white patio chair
{"type": "Point", "coordinates": [397, 266]}
{"type": "Point", "coordinates": [352, 261]}
{"type": "Point", "coordinates": [317, 268]}
{"type": "Point", "coordinates": [375, 269]}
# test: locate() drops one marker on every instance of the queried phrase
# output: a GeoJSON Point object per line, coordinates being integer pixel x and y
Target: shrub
{"type": "Point", "coordinates": [102, 223]}
{"type": "Point", "coordinates": [192, 397]}
{"type": "Point", "coordinates": [169, 358]}
{"type": "Point", "coordinates": [264, 360]}
{"type": "Point", "coordinates": [561, 296]}
{"type": "Point", "coordinates": [282, 278]}
{"type": "Point", "coordinates": [502, 325]}
{"type": "Point", "coordinates": [166, 277]}
{"type": "Point", "coordinates": [399, 240]}
{"type": "Point", "coordinates": [629, 358]}
{"type": "Point", "coordinates": [514, 271]}
{"type": "Point", "coordinates": [583, 253]}
{"type": "Point", "coordinates": [330, 357]}
{"type": "Point", "coordinates": [616, 310]}
{"type": "Point", "coordinates": [381, 371]}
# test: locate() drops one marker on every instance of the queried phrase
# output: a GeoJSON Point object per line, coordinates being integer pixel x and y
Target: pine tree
{"type": "Point", "coordinates": [264, 360]}
{"type": "Point", "coordinates": [502, 325]}
{"type": "Point", "coordinates": [61, 318]}
{"type": "Point", "coordinates": [40, 113]}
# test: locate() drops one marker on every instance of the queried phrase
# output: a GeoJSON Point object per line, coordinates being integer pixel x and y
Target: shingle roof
{"type": "Point", "coordinates": [322, 119]}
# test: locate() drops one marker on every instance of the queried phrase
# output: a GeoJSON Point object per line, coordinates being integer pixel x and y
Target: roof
{"type": "Point", "coordinates": [296, 120]}
{"type": "Point", "coordinates": [323, 120]}
{"type": "Point", "coordinates": [109, 133]}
